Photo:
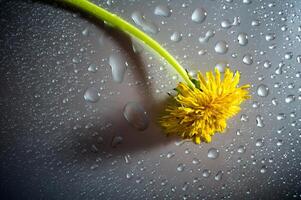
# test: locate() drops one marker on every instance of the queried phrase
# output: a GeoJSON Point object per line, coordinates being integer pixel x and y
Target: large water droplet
{"type": "Point", "coordinates": [118, 66]}
{"type": "Point", "coordinates": [199, 15]}
{"type": "Point", "coordinates": [262, 90]}
{"type": "Point", "coordinates": [91, 94]}
{"type": "Point", "coordinates": [242, 39]}
{"type": "Point", "coordinates": [221, 47]}
{"type": "Point", "coordinates": [161, 10]}
{"type": "Point", "coordinates": [247, 59]}
{"type": "Point", "coordinates": [213, 153]}
{"type": "Point", "coordinates": [135, 114]}
{"type": "Point", "coordinates": [148, 27]}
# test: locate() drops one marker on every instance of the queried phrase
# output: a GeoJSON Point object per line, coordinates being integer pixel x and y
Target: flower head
{"type": "Point", "coordinates": [203, 110]}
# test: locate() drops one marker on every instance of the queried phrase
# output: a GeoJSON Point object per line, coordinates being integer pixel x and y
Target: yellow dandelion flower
{"type": "Point", "coordinates": [203, 110]}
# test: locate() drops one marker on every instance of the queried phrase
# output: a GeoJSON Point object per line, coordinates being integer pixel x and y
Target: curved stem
{"type": "Point", "coordinates": [123, 25]}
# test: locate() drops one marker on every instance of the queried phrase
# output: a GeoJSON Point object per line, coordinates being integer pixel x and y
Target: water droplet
{"type": "Point", "coordinates": [270, 37]}
{"type": "Point", "coordinates": [244, 118]}
{"type": "Point", "coordinates": [262, 90]}
{"type": "Point", "coordinates": [129, 175]}
{"type": "Point", "coordinates": [118, 66]}
{"type": "Point", "coordinates": [176, 37]}
{"type": "Point", "coordinates": [241, 149]}
{"type": "Point", "coordinates": [280, 116]}
{"type": "Point", "coordinates": [259, 121]}
{"type": "Point", "coordinates": [135, 114]}
{"type": "Point", "coordinates": [199, 15]}
{"type": "Point", "coordinates": [221, 47]}
{"type": "Point", "coordinates": [92, 68]}
{"type": "Point", "coordinates": [161, 10]}
{"type": "Point", "coordinates": [259, 142]}
{"type": "Point", "coordinates": [180, 167]}
{"type": "Point", "coordinates": [85, 32]}
{"type": "Point", "coordinates": [288, 55]}
{"type": "Point", "coordinates": [185, 186]}
{"type": "Point", "coordinates": [218, 176]}
{"type": "Point", "coordinates": [290, 98]}
{"type": "Point", "coordinates": [226, 23]}
{"type": "Point", "coordinates": [170, 154]}
{"type": "Point", "coordinates": [209, 34]}
{"type": "Point", "coordinates": [116, 140]}
{"type": "Point", "coordinates": [195, 161]}
{"type": "Point", "coordinates": [206, 173]}
{"type": "Point", "coordinates": [263, 169]}
{"type": "Point", "coordinates": [91, 95]}
{"type": "Point", "coordinates": [267, 64]}
{"type": "Point", "coordinates": [247, 1]}
{"type": "Point", "coordinates": [213, 153]}
{"type": "Point", "coordinates": [242, 39]}
{"type": "Point", "coordinates": [247, 59]}
{"type": "Point", "coordinates": [298, 58]}
{"type": "Point", "coordinates": [148, 27]}
{"type": "Point", "coordinates": [279, 143]}
{"type": "Point", "coordinates": [255, 23]}
{"type": "Point", "coordinates": [221, 66]}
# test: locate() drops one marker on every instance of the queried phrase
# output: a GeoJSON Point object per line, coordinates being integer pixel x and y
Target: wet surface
{"type": "Point", "coordinates": [80, 101]}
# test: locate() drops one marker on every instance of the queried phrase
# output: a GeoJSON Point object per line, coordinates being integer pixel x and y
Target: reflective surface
{"type": "Point", "coordinates": [80, 100]}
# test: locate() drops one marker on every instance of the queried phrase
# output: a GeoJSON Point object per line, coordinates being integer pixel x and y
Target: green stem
{"type": "Point", "coordinates": [123, 25]}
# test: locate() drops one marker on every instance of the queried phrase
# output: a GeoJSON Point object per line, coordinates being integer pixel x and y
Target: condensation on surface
{"type": "Point", "coordinates": [80, 101]}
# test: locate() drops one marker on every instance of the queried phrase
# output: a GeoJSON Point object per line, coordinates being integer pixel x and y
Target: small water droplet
{"type": "Point", "coordinates": [176, 37]}
{"type": "Point", "coordinates": [162, 10]}
{"type": "Point", "coordinates": [85, 32]}
{"type": "Point", "coordinates": [116, 140]}
{"type": "Point", "coordinates": [255, 23]}
{"type": "Point", "coordinates": [209, 34]}
{"type": "Point", "coordinates": [279, 143]}
{"type": "Point", "coordinates": [242, 39]}
{"type": "Point", "coordinates": [218, 176]}
{"type": "Point", "coordinates": [170, 154]}
{"type": "Point", "coordinates": [290, 98]}
{"type": "Point", "coordinates": [259, 142]}
{"type": "Point", "coordinates": [259, 121]}
{"type": "Point", "coordinates": [180, 167]}
{"type": "Point", "coordinates": [298, 58]}
{"type": "Point", "coordinates": [221, 66]}
{"type": "Point", "coordinates": [280, 116]}
{"type": "Point", "coordinates": [263, 169]}
{"type": "Point", "coordinates": [241, 149]}
{"type": "Point", "coordinates": [118, 66]}
{"type": "Point", "coordinates": [270, 37]}
{"type": "Point", "coordinates": [92, 68]}
{"type": "Point", "coordinates": [195, 161]}
{"type": "Point", "coordinates": [91, 95]}
{"type": "Point", "coordinates": [226, 23]}
{"type": "Point", "coordinates": [288, 55]}
{"type": "Point", "coordinates": [247, 59]}
{"type": "Point", "coordinates": [244, 118]}
{"type": "Point", "coordinates": [213, 153]}
{"type": "Point", "coordinates": [221, 47]}
{"type": "Point", "coordinates": [206, 173]}
{"type": "Point", "coordinates": [199, 15]}
{"type": "Point", "coordinates": [262, 90]}
{"type": "Point", "coordinates": [135, 114]}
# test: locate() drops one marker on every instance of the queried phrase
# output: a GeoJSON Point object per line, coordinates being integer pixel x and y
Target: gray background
{"type": "Point", "coordinates": [56, 145]}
